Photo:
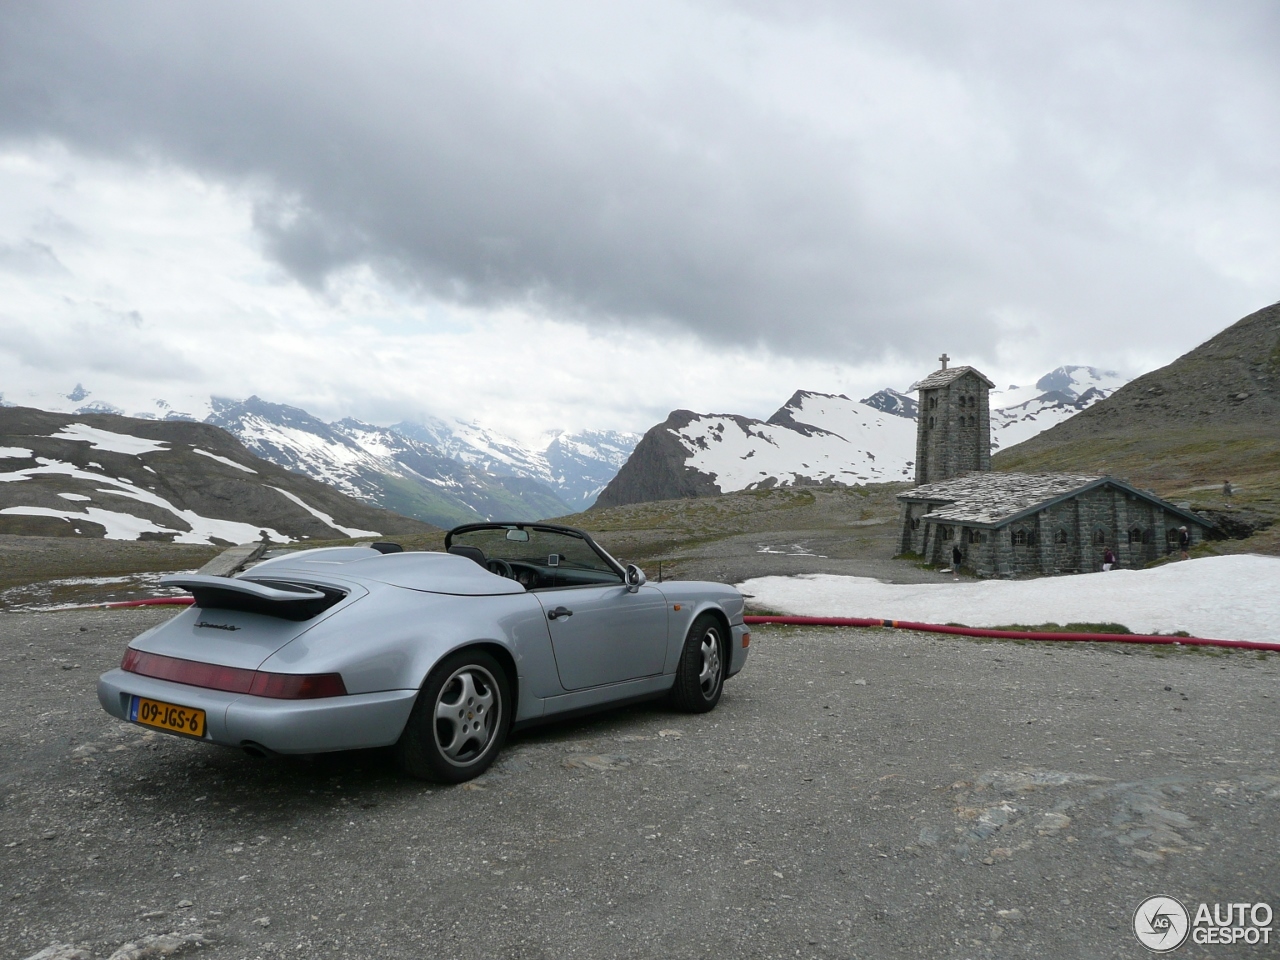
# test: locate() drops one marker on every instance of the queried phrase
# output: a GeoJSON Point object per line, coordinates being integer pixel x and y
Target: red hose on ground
{"type": "Point", "coordinates": [899, 624]}
{"type": "Point", "coordinates": [1012, 634]}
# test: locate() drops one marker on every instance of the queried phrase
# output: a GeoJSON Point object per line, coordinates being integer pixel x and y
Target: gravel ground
{"type": "Point", "coordinates": [861, 552]}
{"type": "Point", "coordinates": [856, 794]}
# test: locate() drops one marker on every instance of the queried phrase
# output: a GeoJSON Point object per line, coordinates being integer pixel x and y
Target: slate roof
{"type": "Point", "coordinates": [993, 499]}
{"type": "Point", "coordinates": [940, 378]}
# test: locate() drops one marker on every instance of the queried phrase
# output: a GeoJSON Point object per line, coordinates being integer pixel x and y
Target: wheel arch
{"type": "Point", "coordinates": [419, 751]}
{"type": "Point", "coordinates": [722, 621]}
{"type": "Point", "coordinates": [505, 660]}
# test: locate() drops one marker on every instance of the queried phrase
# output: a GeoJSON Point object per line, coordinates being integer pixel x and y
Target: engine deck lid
{"type": "Point", "coordinates": [229, 638]}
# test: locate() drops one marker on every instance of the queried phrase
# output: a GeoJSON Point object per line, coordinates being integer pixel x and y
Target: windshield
{"type": "Point", "coordinates": [547, 558]}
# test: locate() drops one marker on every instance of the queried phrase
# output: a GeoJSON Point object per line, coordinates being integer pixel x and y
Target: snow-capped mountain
{"type": "Point", "coordinates": [891, 401]}
{"type": "Point", "coordinates": [1019, 413]}
{"type": "Point", "coordinates": [382, 466]}
{"type": "Point", "coordinates": [122, 478]}
{"type": "Point", "coordinates": [447, 472]}
{"type": "Point", "coordinates": [576, 466]}
{"type": "Point", "coordinates": [582, 464]}
{"type": "Point", "coordinates": [824, 438]}
{"type": "Point", "coordinates": [813, 438]}
{"type": "Point", "coordinates": [441, 471]}
{"type": "Point", "coordinates": [78, 400]}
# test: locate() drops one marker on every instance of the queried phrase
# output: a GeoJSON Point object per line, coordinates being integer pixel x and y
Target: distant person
{"type": "Point", "coordinates": [956, 557]}
{"type": "Point", "coordinates": [1184, 542]}
{"type": "Point", "coordinates": [1108, 559]}
{"type": "Point", "coordinates": [1226, 490]}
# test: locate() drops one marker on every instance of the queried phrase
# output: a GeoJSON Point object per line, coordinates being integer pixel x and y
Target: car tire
{"type": "Point", "coordinates": [459, 721]}
{"type": "Point", "coordinates": [700, 674]}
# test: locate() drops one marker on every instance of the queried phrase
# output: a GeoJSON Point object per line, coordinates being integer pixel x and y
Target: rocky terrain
{"type": "Point", "coordinates": [179, 482]}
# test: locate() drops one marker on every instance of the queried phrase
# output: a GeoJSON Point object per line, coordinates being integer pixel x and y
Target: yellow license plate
{"type": "Point", "coordinates": [167, 716]}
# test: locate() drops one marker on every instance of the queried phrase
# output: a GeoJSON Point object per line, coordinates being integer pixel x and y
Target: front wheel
{"type": "Point", "coordinates": [700, 675]}
{"type": "Point", "coordinates": [460, 720]}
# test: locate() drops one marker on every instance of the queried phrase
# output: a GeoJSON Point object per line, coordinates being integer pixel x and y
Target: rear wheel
{"type": "Point", "coordinates": [700, 675]}
{"type": "Point", "coordinates": [460, 720]}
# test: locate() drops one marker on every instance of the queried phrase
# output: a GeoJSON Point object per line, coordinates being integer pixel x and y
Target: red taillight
{"type": "Point", "coordinates": [231, 679]}
{"type": "Point", "coordinates": [259, 683]}
{"type": "Point", "coordinates": [293, 686]}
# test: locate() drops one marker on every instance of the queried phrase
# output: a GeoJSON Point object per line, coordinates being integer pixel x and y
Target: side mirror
{"type": "Point", "coordinates": [635, 578]}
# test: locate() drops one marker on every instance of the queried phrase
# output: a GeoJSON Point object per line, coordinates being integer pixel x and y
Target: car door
{"type": "Point", "coordinates": [606, 634]}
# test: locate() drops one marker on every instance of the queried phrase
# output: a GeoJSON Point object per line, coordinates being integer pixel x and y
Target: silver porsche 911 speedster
{"type": "Point", "coordinates": [438, 654]}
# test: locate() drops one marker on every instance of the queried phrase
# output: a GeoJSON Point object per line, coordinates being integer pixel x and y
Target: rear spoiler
{"type": "Point", "coordinates": [272, 598]}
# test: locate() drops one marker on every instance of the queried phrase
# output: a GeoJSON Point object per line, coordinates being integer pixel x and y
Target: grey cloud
{"type": "Point", "coordinates": [492, 154]}
{"type": "Point", "coordinates": [30, 256]}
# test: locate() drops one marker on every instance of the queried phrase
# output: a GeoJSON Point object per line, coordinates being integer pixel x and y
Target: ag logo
{"type": "Point", "coordinates": [1161, 924]}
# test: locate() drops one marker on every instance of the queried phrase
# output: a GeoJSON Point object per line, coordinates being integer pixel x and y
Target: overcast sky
{"type": "Point", "coordinates": [587, 214]}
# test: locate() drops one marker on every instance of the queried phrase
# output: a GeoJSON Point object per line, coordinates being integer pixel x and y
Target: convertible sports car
{"type": "Point", "coordinates": [439, 654]}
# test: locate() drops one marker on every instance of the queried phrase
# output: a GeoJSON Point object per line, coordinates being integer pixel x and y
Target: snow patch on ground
{"type": "Point", "coordinates": [106, 440]}
{"type": "Point", "coordinates": [119, 526]}
{"type": "Point", "coordinates": [325, 518]}
{"type": "Point", "coordinates": [1226, 598]}
{"type": "Point", "coordinates": [124, 526]}
{"type": "Point", "coordinates": [229, 463]}
{"type": "Point", "coordinates": [14, 453]}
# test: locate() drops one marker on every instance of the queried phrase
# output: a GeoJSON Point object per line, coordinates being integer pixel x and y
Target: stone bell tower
{"type": "Point", "coordinates": [953, 432]}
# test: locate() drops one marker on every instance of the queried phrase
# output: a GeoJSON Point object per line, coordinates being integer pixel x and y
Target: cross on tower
{"type": "Point", "coordinates": [943, 360]}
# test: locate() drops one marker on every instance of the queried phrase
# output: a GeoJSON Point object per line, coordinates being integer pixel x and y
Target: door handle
{"type": "Point", "coordinates": [559, 612]}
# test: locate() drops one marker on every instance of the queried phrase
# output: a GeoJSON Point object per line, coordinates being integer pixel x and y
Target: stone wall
{"type": "Point", "coordinates": [953, 429]}
{"type": "Point", "coordinates": [1068, 537]}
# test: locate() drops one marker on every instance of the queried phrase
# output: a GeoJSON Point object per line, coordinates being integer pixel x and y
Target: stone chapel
{"type": "Point", "coordinates": [1010, 524]}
